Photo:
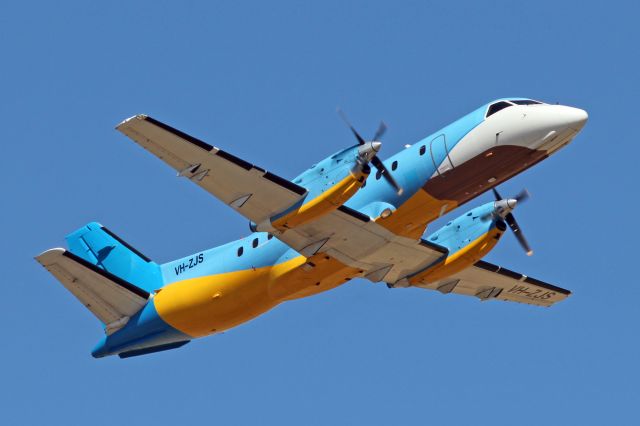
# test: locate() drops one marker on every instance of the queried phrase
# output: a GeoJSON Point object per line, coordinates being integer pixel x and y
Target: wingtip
{"type": "Point", "coordinates": [127, 120]}
{"type": "Point", "coordinates": [47, 256]}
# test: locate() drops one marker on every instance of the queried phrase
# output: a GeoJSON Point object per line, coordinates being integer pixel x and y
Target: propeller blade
{"type": "Point", "coordinates": [522, 196]}
{"type": "Point", "coordinates": [382, 128]}
{"type": "Point", "coordinates": [511, 221]}
{"type": "Point", "coordinates": [361, 140]}
{"type": "Point", "coordinates": [385, 173]}
{"type": "Point", "coordinates": [495, 194]}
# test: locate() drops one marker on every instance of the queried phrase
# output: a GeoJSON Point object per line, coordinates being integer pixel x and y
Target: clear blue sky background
{"type": "Point", "coordinates": [262, 80]}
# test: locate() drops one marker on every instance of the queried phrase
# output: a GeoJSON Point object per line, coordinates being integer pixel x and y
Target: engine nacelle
{"type": "Point", "coordinates": [468, 238]}
{"type": "Point", "coordinates": [330, 183]}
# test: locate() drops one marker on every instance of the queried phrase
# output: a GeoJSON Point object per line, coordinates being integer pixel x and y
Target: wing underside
{"type": "Point", "coordinates": [487, 281]}
{"type": "Point", "coordinates": [253, 192]}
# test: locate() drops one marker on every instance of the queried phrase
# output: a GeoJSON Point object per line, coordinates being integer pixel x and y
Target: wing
{"type": "Point", "coordinates": [111, 299]}
{"type": "Point", "coordinates": [358, 241]}
{"type": "Point", "coordinates": [249, 189]}
{"type": "Point", "coordinates": [487, 281]}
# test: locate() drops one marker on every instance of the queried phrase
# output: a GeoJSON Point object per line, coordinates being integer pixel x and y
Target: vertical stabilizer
{"type": "Point", "coordinates": [102, 248]}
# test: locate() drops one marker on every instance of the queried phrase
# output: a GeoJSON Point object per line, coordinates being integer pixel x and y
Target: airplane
{"type": "Point", "coordinates": [337, 221]}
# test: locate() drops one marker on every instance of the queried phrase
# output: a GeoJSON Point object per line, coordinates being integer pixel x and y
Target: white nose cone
{"type": "Point", "coordinates": [574, 118]}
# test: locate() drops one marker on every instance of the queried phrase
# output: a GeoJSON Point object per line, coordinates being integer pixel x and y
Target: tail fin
{"type": "Point", "coordinates": [97, 245]}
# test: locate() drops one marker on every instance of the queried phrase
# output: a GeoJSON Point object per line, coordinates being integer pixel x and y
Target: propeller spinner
{"type": "Point", "coordinates": [503, 209]}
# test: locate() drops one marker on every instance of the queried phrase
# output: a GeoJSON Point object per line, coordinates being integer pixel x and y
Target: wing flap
{"type": "Point", "coordinates": [111, 299]}
{"type": "Point", "coordinates": [249, 189]}
{"type": "Point", "coordinates": [487, 281]}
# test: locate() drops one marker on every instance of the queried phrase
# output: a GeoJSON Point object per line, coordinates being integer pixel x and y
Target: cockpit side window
{"type": "Point", "coordinates": [526, 102]}
{"type": "Point", "coordinates": [497, 107]}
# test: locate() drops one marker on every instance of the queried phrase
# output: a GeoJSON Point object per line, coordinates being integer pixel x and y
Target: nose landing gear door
{"type": "Point", "coordinates": [440, 154]}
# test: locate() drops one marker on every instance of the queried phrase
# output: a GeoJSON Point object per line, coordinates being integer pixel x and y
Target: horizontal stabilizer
{"type": "Point", "coordinates": [110, 298]}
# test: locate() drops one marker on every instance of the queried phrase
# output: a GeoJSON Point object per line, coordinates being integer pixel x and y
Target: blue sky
{"type": "Point", "coordinates": [262, 80]}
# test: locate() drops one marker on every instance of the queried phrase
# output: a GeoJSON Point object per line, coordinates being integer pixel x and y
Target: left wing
{"type": "Point", "coordinates": [487, 281]}
{"type": "Point", "coordinates": [253, 192]}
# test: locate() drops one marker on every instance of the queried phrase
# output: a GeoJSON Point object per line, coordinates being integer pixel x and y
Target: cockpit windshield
{"type": "Point", "coordinates": [526, 102]}
{"type": "Point", "coordinates": [500, 105]}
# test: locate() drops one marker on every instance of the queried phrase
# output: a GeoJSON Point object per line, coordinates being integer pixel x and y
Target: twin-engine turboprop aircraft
{"type": "Point", "coordinates": [336, 221]}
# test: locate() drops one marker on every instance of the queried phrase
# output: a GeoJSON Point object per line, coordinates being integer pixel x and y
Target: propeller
{"type": "Point", "coordinates": [370, 149]}
{"type": "Point", "coordinates": [503, 209]}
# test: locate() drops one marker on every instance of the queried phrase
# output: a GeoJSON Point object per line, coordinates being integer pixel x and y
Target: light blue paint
{"type": "Point", "coordinates": [95, 245]}
{"type": "Point", "coordinates": [464, 229]}
{"type": "Point", "coordinates": [144, 330]}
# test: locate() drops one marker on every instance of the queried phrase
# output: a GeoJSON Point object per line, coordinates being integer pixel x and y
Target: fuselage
{"type": "Point", "coordinates": [217, 289]}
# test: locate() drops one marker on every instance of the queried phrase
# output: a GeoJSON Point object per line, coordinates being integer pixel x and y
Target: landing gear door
{"type": "Point", "coordinates": [440, 154]}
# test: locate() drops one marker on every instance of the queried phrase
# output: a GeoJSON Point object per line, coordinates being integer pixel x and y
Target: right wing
{"type": "Point", "coordinates": [487, 281]}
{"type": "Point", "coordinates": [253, 192]}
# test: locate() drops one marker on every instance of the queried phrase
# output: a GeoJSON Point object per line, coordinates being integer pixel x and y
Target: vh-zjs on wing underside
{"type": "Point", "coordinates": [487, 281]}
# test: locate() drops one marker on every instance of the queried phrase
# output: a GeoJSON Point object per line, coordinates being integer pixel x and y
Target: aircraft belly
{"type": "Point", "coordinates": [215, 303]}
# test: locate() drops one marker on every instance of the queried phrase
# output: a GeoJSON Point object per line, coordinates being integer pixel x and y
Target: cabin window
{"type": "Point", "coordinates": [378, 174]}
{"type": "Point", "coordinates": [255, 243]}
{"type": "Point", "coordinates": [423, 149]}
{"type": "Point", "coordinates": [240, 251]}
{"type": "Point", "coordinates": [270, 236]}
{"type": "Point", "coordinates": [498, 106]}
{"type": "Point", "coordinates": [394, 165]}
{"type": "Point", "coordinates": [526, 102]}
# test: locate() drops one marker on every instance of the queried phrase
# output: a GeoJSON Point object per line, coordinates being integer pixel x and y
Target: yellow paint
{"type": "Point", "coordinates": [329, 200]}
{"type": "Point", "coordinates": [460, 260]}
{"type": "Point", "coordinates": [205, 305]}
{"type": "Point", "coordinates": [412, 217]}
{"type": "Point", "coordinates": [325, 274]}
